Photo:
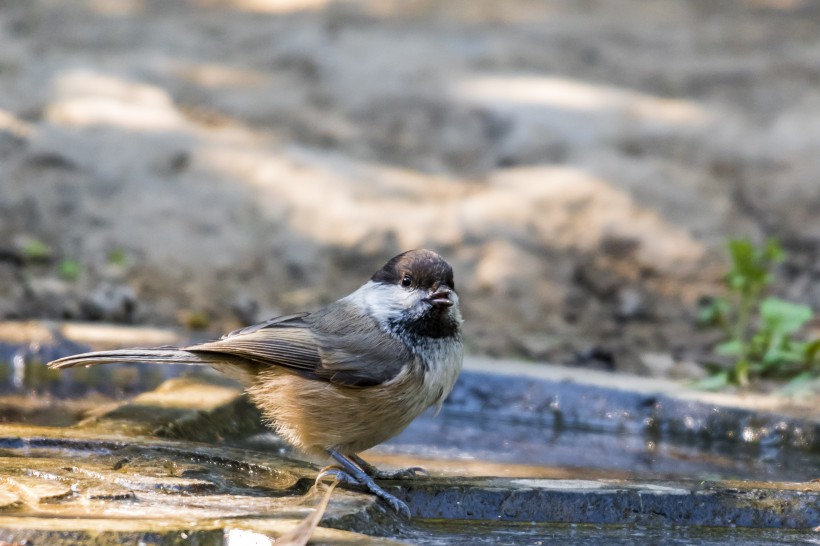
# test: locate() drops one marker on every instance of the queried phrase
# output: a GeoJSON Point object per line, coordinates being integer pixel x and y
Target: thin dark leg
{"type": "Point", "coordinates": [363, 479]}
{"type": "Point", "coordinates": [403, 474]}
{"type": "Point", "coordinates": [340, 475]}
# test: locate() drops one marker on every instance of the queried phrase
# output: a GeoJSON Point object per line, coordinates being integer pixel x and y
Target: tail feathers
{"type": "Point", "coordinates": [153, 356]}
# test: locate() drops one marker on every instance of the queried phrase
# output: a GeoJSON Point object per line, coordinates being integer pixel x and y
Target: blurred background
{"type": "Point", "coordinates": [210, 163]}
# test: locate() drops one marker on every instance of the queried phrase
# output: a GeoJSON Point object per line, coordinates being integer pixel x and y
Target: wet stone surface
{"type": "Point", "coordinates": [617, 501]}
{"type": "Point", "coordinates": [42, 470]}
{"type": "Point", "coordinates": [63, 482]}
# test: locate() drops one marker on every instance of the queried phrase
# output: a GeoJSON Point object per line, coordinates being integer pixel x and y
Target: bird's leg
{"type": "Point", "coordinates": [355, 475]}
{"type": "Point", "coordinates": [403, 474]}
{"type": "Point", "coordinates": [338, 473]}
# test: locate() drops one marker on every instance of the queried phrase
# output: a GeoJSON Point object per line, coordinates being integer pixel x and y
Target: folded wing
{"type": "Point", "coordinates": [333, 347]}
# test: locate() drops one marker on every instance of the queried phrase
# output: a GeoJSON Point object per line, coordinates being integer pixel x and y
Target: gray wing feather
{"type": "Point", "coordinates": [336, 344]}
{"type": "Point", "coordinates": [354, 350]}
{"type": "Point", "coordinates": [282, 341]}
{"type": "Point", "coordinates": [292, 320]}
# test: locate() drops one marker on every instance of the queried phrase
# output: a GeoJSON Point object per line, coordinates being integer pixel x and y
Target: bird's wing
{"type": "Point", "coordinates": [286, 320]}
{"type": "Point", "coordinates": [363, 361]}
{"type": "Point", "coordinates": [354, 349]}
{"type": "Point", "coordinates": [328, 346]}
{"type": "Point", "coordinates": [282, 341]}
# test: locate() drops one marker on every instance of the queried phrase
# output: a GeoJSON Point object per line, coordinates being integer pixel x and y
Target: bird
{"type": "Point", "coordinates": [346, 377]}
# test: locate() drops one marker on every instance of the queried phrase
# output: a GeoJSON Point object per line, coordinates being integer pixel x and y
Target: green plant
{"type": "Point", "coordinates": [760, 330]}
{"type": "Point", "coordinates": [36, 250]}
{"type": "Point", "coordinates": [69, 270]}
{"type": "Point", "coordinates": [117, 256]}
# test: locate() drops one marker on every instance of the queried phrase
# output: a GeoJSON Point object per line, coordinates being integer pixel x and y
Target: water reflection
{"type": "Point", "coordinates": [620, 454]}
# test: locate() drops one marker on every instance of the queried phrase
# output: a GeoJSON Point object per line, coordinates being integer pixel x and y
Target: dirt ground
{"type": "Point", "coordinates": [580, 163]}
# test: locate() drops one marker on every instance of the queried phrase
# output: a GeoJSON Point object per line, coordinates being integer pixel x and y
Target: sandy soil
{"type": "Point", "coordinates": [580, 163]}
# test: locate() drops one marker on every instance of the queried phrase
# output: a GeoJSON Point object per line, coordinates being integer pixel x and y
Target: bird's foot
{"type": "Point", "coordinates": [337, 473]}
{"type": "Point", "coordinates": [401, 474]}
{"type": "Point", "coordinates": [350, 475]}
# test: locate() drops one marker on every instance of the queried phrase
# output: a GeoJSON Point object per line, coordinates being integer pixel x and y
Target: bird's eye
{"type": "Point", "coordinates": [407, 280]}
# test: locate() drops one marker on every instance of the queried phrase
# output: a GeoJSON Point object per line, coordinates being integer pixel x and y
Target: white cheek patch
{"type": "Point", "coordinates": [385, 302]}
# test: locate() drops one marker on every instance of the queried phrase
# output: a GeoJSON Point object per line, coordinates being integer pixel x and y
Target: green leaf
{"type": "Point", "coordinates": [802, 383]}
{"type": "Point", "coordinates": [776, 356]}
{"type": "Point", "coordinates": [116, 256]}
{"type": "Point", "coordinates": [742, 252]}
{"type": "Point", "coordinates": [810, 350]}
{"type": "Point", "coordinates": [773, 252]}
{"type": "Point", "coordinates": [69, 270]}
{"type": "Point", "coordinates": [784, 317]}
{"type": "Point", "coordinates": [729, 348]}
{"type": "Point", "coordinates": [749, 268]}
{"type": "Point", "coordinates": [715, 312]}
{"type": "Point", "coordinates": [36, 250]}
{"type": "Point", "coordinates": [714, 382]}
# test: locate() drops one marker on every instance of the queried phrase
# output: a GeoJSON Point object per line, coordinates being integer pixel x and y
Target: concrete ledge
{"type": "Point", "coordinates": [720, 504]}
{"type": "Point", "coordinates": [583, 399]}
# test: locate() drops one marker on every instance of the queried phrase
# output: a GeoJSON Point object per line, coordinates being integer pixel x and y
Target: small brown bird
{"type": "Point", "coordinates": [346, 377]}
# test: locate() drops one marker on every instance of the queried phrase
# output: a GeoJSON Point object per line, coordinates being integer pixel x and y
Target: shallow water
{"type": "Point", "coordinates": [464, 533]}
{"type": "Point", "coordinates": [23, 370]}
{"type": "Point", "coordinates": [641, 456]}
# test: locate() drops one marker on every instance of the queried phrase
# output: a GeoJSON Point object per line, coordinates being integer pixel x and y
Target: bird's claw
{"type": "Point", "coordinates": [402, 474]}
{"type": "Point", "coordinates": [365, 484]}
{"type": "Point", "coordinates": [398, 506]}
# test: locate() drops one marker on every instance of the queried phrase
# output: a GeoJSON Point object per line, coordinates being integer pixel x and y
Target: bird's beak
{"type": "Point", "coordinates": [441, 296]}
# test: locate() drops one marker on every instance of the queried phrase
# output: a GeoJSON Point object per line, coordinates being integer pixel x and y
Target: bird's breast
{"type": "Point", "coordinates": [441, 364]}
